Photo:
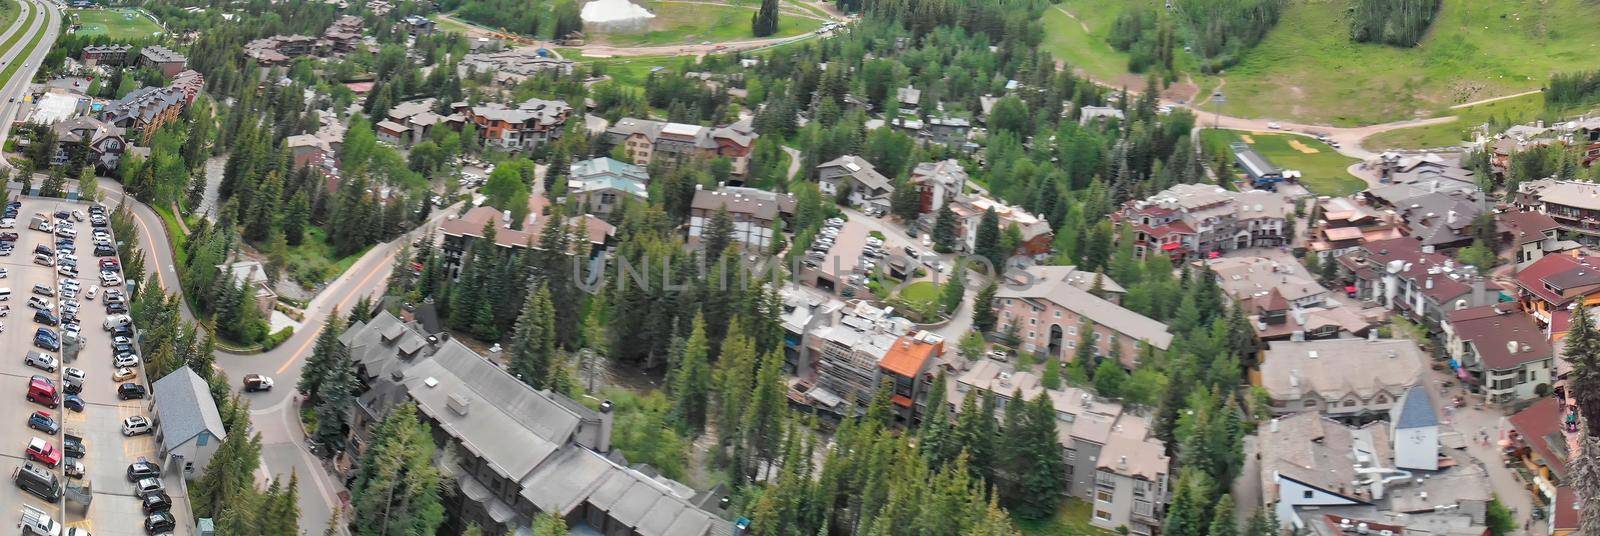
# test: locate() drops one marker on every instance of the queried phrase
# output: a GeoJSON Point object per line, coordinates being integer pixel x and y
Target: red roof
{"type": "Point", "coordinates": [901, 400]}
{"type": "Point", "coordinates": [1171, 246]}
{"type": "Point", "coordinates": [1540, 426]}
{"type": "Point", "coordinates": [1495, 329]}
{"type": "Point", "coordinates": [1532, 278]}
{"type": "Point", "coordinates": [1564, 515]}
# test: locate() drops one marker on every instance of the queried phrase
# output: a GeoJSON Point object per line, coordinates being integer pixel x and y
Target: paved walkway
{"type": "Point", "coordinates": [1469, 421]}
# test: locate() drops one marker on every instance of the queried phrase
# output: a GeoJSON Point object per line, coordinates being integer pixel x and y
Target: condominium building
{"type": "Point", "coordinates": [754, 213]}
{"type": "Point", "coordinates": [646, 142]}
{"type": "Point", "coordinates": [1194, 221]}
{"type": "Point", "coordinates": [1113, 461]}
{"type": "Point", "coordinates": [1046, 306]}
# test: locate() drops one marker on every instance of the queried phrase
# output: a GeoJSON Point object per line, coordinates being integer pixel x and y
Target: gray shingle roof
{"type": "Point", "coordinates": [1416, 411]}
{"type": "Point", "coordinates": [184, 404]}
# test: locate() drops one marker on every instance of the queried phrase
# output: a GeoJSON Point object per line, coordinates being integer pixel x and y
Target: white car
{"type": "Point", "coordinates": [8, 223]}
{"type": "Point", "coordinates": [1273, 125]}
{"type": "Point", "coordinates": [136, 425]}
{"type": "Point", "coordinates": [127, 360]}
{"type": "Point", "coordinates": [94, 289]}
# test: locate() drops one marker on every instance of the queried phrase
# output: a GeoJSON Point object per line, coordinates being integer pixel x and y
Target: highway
{"type": "Point", "coordinates": [274, 414]}
{"type": "Point", "coordinates": [17, 85]}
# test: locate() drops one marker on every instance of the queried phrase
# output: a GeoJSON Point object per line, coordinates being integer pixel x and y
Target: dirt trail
{"type": "Point", "coordinates": [1493, 99]}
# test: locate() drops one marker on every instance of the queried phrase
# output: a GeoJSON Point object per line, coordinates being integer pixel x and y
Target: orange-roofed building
{"type": "Point", "coordinates": [907, 364]}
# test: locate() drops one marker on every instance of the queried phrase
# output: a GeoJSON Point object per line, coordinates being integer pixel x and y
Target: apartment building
{"type": "Point", "coordinates": [1344, 223]}
{"type": "Point", "coordinates": [1549, 287]}
{"type": "Point", "coordinates": [1047, 305]}
{"type": "Point", "coordinates": [163, 59]}
{"type": "Point", "coordinates": [509, 452]}
{"type": "Point", "coordinates": [1502, 350]}
{"type": "Point", "coordinates": [856, 178]}
{"type": "Point", "coordinates": [602, 184]}
{"type": "Point", "coordinates": [1037, 235]}
{"type": "Point", "coordinates": [646, 142]}
{"type": "Point", "coordinates": [514, 128]}
{"type": "Point", "coordinates": [1113, 461]}
{"type": "Point", "coordinates": [1404, 276]}
{"type": "Point", "coordinates": [1574, 205]}
{"type": "Point", "coordinates": [938, 183]}
{"type": "Point", "coordinates": [754, 213]}
{"type": "Point", "coordinates": [1351, 380]}
{"type": "Point", "coordinates": [459, 233]}
{"type": "Point", "coordinates": [1194, 221]}
{"type": "Point", "coordinates": [113, 55]}
{"type": "Point", "coordinates": [143, 111]}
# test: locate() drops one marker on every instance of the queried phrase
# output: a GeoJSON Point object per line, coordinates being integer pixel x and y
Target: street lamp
{"type": "Point", "coordinates": [1217, 100]}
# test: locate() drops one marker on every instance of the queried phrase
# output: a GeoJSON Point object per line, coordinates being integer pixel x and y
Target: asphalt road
{"type": "Point", "coordinates": [274, 414]}
{"type": "Point", "coordinates": [13, 89]}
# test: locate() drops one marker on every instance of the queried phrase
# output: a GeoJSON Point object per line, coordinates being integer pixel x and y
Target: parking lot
{"type": "Point", "coordinates": [113, 508]}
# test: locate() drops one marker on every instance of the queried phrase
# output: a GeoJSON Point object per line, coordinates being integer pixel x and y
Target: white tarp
{"type": "Point", "coordinates": [615, 15]}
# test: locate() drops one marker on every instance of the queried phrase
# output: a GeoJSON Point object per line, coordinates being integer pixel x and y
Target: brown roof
{"type": "Point", "coordinates": [1503, 336]}
{"type": "Point", "coordinates": [761, 204]}
{"type": "Point", "coordinates": [1565, 272]}
{"type": "Point", "coordinates": [1540, 427]}
{"type": "Point", "coordinates": [1526, 226]}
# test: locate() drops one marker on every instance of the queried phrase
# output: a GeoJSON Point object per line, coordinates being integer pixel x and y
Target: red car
{"type": "Point", "coordinates": [43, 452]}
{"type": "Point", "coordinates": [110, 263]}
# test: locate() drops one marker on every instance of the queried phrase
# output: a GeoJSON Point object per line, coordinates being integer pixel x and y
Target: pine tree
{"type": "Point", "coordinates": [231, 473]}
{"type": "Point", "coordinates": [1042, 471]}
{"type": "Point", "coordinates": [953, 291]}
{"type": "Point", "coordinates": [549, 524]}
{"type": "Point", "coordinates": [944, 229]}
{"type": "Point", "coordinates": [337, 394]}
{"type": "Point", "coordinates": [976, 432]}
{"type": "Point", "coordinates": [532, 351]}
{"type": "Point", "coordinates": [987, 243]}
{"type": "Point", "coordinates": [763, 419]}
{"type": "Point", "coordinates": [983, 315]}
{"type": "Point", "coordinates": [906, 203]}
{"type": "Point", "coordinates": [397, 488]}
{"type": "Point", "coordinates": [718, 236]}
{"type": "Point", "coordinates": [936, 439]}
{"type": "Point", "coordinates": [325, 356]}
{"type": "Point", "coordinates": [736, 373]}
{"type": "Point", "coordinates": [765, 20]}
{"type": "Point", "coordinates": [691, 387]}
{"type": "Point", "coordinates": [1583, 350]}
{"type": "Point", "coordinates": [1222, 523]}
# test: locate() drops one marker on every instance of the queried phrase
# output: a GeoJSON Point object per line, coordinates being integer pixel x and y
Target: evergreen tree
{"type": "Point", "coordinates": [936, 439]}
{"type": "Point", "coordinates": [763, 419]}
{"type": "Point", "coordinates": [906, 203]}
{"type": "Point", "coordinates": [983, 315]}
{"type": "Point", "coordinates": [765, 20]}
{"type": "Point", "coordinates": [1222, 523]}
{"type": "Point", "coordinates": [691, 381]}
{"type": "Point", "coordinates": [533, 343]}
{"type": "Point", "coordinates": [549, 523]}
{"type": "Point", "coordinates": [1583, 350]}
{"type": "Point", "coordinates": [953, 291]}
{"type": "Point", "coordinates": [987, 243]}
{"type": "Point", "coordinates": [397, 487]}
{"type": "Point", "coordinates": [337, 394]}
{"type": "Point", "coordinates": [325, 359]}
{"type": "Point", "coordinates": [1043, 471]}
{"type": "Point", "coordinates": [944, 230]}
{"type": "Point", "coordinates": [231, 474]}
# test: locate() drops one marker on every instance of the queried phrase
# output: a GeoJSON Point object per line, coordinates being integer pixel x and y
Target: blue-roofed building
{"type": "Point", "coordinates": [1257, 168]}
{"type": "Point", "coordinates": [601, 184]}
{"type": "Point", "coordinates": [1415, 427]}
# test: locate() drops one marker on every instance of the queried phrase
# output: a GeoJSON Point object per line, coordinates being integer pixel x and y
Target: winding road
{"type": "Point", "coordinates": [275, 414]}
{"type": "Point", "coordinates": [14, 87]}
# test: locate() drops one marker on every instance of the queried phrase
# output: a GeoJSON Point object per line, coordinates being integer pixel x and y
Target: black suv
{"type": "Point", "coordinates": [130, 391]}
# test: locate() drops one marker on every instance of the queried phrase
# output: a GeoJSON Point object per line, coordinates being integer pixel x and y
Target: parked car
{"type": "Point", "coordinates": [73, 402]}
{"type": "Point", "coordinates": [157, 502]}
{"type": "Point", "coordinates": [146, 486]}
{"type": "Point", "coordinates": [141, 469]}
{"type": "Point", "coordinates": [136, 425]}
{"type": "Point", "coordinates": [42, 421]}
{"type": "Point", "coordinates": [159, 522]}
{"type": "Point", "coordinates": [124, 374]}
{"type": "Point", "coordinates": [130, 391]}
{"type": "Point", "coordinates": [43, 452]}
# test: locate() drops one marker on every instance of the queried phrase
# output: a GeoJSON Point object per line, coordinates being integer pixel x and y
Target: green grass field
{"type": "Point", "coordinates": [1307, 69]}
{"type": "Point", "coordinates": [1517, 110]}
{"type": "Point", "coordinates": [920, 292]}
{"type": "Point", "coordinates": [685, 24]}
{"type": "Point", "coordinates": [451, 24]}
{"type": "Point", "coordinates": [1323, 171]}
{"type": "Point", "coordinates": [1071, 520]}
{"type": "Point", "coordinates": [113, 23]}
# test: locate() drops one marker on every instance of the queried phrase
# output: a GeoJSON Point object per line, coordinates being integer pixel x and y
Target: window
{"type": "Point", "coordinates": [1102, 515]}
{"type": "Point", "coordinates": [1072, 344]}
{"type": "Point", "coordinates": [1102, 496]}
{"type": "Point", "coordinates": [1058, 314]}
{"type": "Point", "coordinates": [1072, 454]}
{"type": "Point", "coordinates": [1382, 399]}
{"type": "Point", "coordinates": [1349, 403]}
{"type": "Point", "coordinates": [188, 467]}
{"type": "Point", "coordinates": [1031, 334]}
{"type": "Point", "coordinates": [1307, 494]}
{"type": "Point", "coordinates": [1310, 403]}
{"type": "Point", "coordinates": [1004, 327]}
{"type": "Point", "coordinates": [1072, 330]}
{"type": "Point", "coordinates": [1033, 321]}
